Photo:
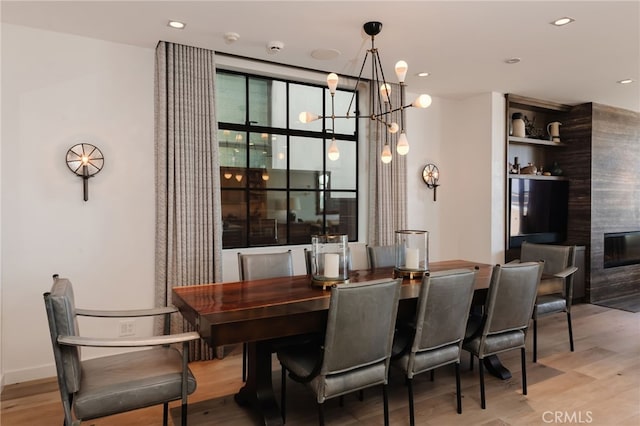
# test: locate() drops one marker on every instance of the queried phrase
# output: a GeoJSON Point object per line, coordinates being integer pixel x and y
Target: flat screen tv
{"type": "Point", "coordinates": [538, 211]}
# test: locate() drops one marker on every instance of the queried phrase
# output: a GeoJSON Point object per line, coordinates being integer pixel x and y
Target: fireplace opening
{"type": "Point", "coordinates": [621, 248]}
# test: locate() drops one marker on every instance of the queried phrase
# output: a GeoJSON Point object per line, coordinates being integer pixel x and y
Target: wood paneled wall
{"type": "Point", "coordinates": [602, 161]}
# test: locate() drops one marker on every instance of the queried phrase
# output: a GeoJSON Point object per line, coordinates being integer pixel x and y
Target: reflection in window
{"type": "Point", "coordinates": [270, 163]}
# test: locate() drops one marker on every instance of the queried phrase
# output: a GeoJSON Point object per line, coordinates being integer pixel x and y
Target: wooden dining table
{"type": "Point", "coordinates": [259, 312]}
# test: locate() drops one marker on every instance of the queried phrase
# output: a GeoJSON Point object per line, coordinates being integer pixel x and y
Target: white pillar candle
{"type": "Point", "coordinates": [411, 256]}
{"type": "Point", "coordinates": [331, 265]}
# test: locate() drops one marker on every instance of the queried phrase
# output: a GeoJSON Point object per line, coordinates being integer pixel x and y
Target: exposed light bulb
{"type": "Point", "coordinates": [385, 157]}
{"type": "Point", "coordinates": [393, 127]}
{"type": "Point", "coordinates": [422, 101]}
{"type": "Point", "coordinates": [265, 175]}
{"type": "Point", "coordinates": [238, 177]}
{"type": "Point", "coordinates": [228, 175]}
{"type": "Point", "coordinates": [401, 70]}
{"type": "Point", "coordinates": [385, 91]}
{"type": "Point", "coordinates": [333, 152]}
{"type": "Point", "coordinates": [403, 144]}
{"type": "Point", "coordinates": [307, 117]}
{"type": "Point", "coordinates": [332, 82]}
{"type": "Point", "coordinates": [85, 160]}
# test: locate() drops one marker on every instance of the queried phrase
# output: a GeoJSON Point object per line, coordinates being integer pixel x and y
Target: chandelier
{"type": "Point", "coordinates": [380, 105]}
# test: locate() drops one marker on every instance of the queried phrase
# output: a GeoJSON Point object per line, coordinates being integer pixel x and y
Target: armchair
{"type": "Point", "coordinates": [556, 287]}
{"type": "Point", "coordinates": [113, 384]}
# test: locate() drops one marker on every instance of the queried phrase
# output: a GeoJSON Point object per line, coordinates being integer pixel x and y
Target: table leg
{"type": "Point", "coordinates": [494, 366]}
{"type": "Point", "coordinates": [257, 393]}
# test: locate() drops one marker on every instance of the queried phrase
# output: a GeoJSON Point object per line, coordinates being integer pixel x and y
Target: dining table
{"type": "Point", "coordinates": [261, 312]}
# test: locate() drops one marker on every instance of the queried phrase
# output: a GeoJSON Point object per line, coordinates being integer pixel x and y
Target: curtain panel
{"type": "Point", "coordinates": [188, 207]}
{"type": "Point", "coordinates": [387, 182]}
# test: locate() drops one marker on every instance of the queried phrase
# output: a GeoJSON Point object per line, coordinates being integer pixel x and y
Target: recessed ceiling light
{"type": "Point", "coordinates": [423, 74]}
{"type": "Point", "coordinates": [176, 24]}
{"type": "Point", "coordinates": [625, 81]}
{"type": "Point", "coordinates": [562, 21]}
{"type": "Point", "coordinates": [512, 61]}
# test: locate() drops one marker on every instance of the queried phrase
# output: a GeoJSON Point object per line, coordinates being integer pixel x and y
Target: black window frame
{"type": "Point", "coordinates": [324, 136]}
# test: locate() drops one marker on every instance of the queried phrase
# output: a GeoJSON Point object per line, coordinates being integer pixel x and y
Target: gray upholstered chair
{"type": "Point", "coordinates": [382, 256]}
{"type": "Point", "coordinates": [556, 287]}
{"type": "Point", "coordinates": [307, 260]}
{"type": "Point", "coordinates": [256, 266]}
{"type": "Point", "coordinates": [440, 323]}
{"type": "Point", "coordinates": [357, 344]}
{"type": "Point", "coordinates": [113, 384]}
{"type": "Point", "coordinates": [508, 309]}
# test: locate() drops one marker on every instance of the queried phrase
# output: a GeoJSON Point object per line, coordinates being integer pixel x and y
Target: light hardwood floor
{"type": "Point", "coordinates": [598, 384]}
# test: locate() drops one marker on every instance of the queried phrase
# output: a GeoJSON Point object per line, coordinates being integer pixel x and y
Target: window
{"type": "Point", "coordinates": [278, 186]}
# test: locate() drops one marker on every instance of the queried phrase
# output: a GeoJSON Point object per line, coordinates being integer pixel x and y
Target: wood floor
{"type": "Point", "coordinates": [598, 384]}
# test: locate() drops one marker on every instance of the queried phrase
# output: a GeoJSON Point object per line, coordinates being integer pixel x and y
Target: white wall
{"type": "Point", "coordinates": [59, 90]}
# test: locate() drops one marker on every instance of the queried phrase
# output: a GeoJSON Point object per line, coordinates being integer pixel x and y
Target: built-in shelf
{"type": "Point", "coordinates": [529, 141]}
{"type": "Point", "coordinates": [537, 177]}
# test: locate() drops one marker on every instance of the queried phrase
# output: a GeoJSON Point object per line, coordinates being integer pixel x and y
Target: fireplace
{"type": "Point", "coordinates": [621, 248]}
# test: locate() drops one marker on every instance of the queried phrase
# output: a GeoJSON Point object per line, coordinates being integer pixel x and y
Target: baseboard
{"type": "Point", "coordinates": [28, 374]}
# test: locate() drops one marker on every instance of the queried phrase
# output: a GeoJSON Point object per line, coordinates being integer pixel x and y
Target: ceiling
{"type": "Point", "coordinates": [463, 44]}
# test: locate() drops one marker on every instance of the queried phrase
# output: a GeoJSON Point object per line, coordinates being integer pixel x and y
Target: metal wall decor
{"type": "Point", "coordinates": [85, 160]}
{"type": "Point", "coordinates": [431, 175]}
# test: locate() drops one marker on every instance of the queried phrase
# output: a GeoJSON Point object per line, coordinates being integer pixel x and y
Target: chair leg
{"type": "Point", "coordinates": [244, 362]}
{"type": "Point", "coordinates": [458, 396]}
{"type": "Point", "coordinates": [283, 394]}
{"type": "Point", "coordinates": [433, 375]}
{"type": "Point", "coordinates": [321, 414]}
{"type": "Point", "coordinates": [570, 330]}
{"type": "Point", "coordinates": [412, 419]}
{"type": "Point", "coordinates": [524, 371]}
{"type": "Point", "coordinates": [385, 398]}
{"type": "Point", "coordinates": [470, 361]}
{"type": "Point", "coordinates": [165, 414]}
{"type": "Point", "coordinates": [483, 402]}
{"type": "Point", "coordinates": [341, 400]}
{"type": "Point", "coordinates": [184, 415]}
{"type": "Point", "coordinates": [361, 395]}
{"type": "Point", "coordinates": [535, 340]}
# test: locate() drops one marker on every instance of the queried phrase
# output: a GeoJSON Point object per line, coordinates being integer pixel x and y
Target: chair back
{"type": "Point", "coordinates": [360, 325]}
{"type": "Point", "coordinates": [382, 256]}
{"type": "Point", "coordinates": [443, 309]}
{"type": "Point", "coordinates": [512, 294]}
{"type": "Point", "coordinates": [556, 258]}
{"type": "Point", "coordinates": [61, 314]}
{"type": "Point", "coordinates": [256, 266]}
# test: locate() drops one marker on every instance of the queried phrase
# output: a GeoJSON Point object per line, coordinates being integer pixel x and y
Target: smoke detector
{"type": "Point", "coordinates": [274, 47]}
{"type": "Point", "coordinates": [231, 37]}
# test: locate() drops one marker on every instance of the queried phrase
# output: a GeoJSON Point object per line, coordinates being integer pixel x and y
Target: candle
{"type": "Point", "coordinates": [331, 265]}
{"type": "Point", "coordinates": [411, 256]}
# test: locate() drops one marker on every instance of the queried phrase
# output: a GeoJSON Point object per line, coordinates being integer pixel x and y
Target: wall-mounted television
{"type": "Point", "coordinates": [538, 211]}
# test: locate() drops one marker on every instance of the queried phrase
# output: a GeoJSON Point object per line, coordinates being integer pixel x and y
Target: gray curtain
{"type": "Point", "coordinates": [188, 207]}
{"type": "Point", "coordinates": [387, 182]}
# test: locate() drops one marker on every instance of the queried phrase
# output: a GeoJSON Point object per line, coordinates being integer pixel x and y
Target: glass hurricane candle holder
{"type": "Point", "coordinates": [328, 260]}
{"type": "Point", "coordinates": [412, 254]}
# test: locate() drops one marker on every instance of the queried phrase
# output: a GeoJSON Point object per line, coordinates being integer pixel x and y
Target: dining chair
{"type": "Point", "coordinates": [112, 384]}
{"type": "Point", "coordinates": [435, 340]}
{"type": "Point", "coordinates": [256, 266]}
{"type": "Point", "coordinates": [357, 345]}
{"type": "Point", "coordinates": [382, 256]}
{"type": "Point", "coordinates": [555, 293]}
{"type": "Point", "coordinates": [508, 310]}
